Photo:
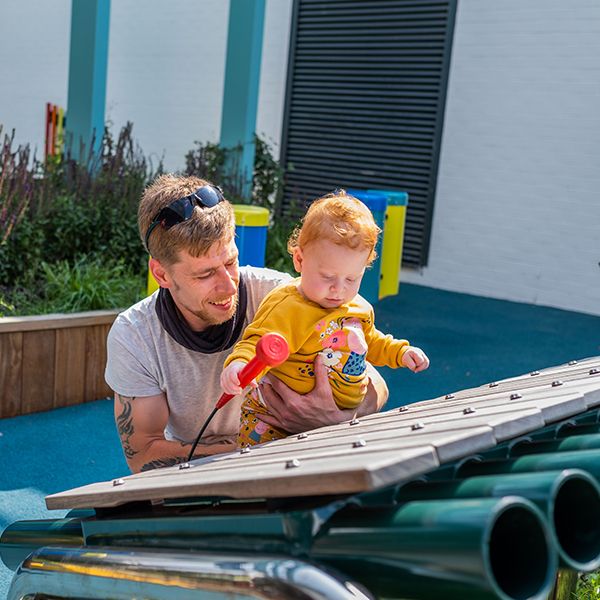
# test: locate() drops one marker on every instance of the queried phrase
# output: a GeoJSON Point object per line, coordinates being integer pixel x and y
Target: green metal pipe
{"type": "Point", "coordinates": [586, 460]}
{"type": "Point", "coordinates": [588, 441]}
{"type": "Point", "coordinates": [486, 548]}
{"type": "Point", "coordinates": [24, 537]}
{"type": "Point", "coordinates": [561, 495]}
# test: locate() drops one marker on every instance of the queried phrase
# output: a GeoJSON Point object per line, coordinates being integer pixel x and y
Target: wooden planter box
{"type": "Point", "coordinates": [52, 361]}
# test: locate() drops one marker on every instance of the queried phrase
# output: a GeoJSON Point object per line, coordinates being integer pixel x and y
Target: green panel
{"type": "Point", "coordinates": [88, 62]}
{"type": "Point", "coordinates": [242, 77]}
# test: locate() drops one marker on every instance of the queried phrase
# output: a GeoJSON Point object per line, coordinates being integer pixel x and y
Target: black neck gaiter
{"type": "Point", "coordinates": [215, 338]}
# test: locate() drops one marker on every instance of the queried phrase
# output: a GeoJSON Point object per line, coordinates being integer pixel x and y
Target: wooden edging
{"type": "Point", "coordinates": [58, 321]}
{"type": "Point", "coordinates": [51, 361]}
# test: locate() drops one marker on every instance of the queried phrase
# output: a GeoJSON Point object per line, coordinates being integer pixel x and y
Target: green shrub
{"type": "Point", "coordinates": [86, 284]}
{"type": "Point", "coordinates": [68, 231]}
{"type": "Point", "coordinates": [588, 586]}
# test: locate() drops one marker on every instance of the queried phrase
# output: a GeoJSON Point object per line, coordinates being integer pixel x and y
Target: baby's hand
{"type": "Point", "coordinates": [415, 359]}
{"type": "Point", "coordinates": [230, 378]}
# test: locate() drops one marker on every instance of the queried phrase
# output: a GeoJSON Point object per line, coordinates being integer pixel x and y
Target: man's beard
{"type": "Point", "coordinates": [212, 319]}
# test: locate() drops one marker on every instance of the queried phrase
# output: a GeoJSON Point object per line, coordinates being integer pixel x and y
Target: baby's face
{"type": "Point", "coordinates": [331, 274]}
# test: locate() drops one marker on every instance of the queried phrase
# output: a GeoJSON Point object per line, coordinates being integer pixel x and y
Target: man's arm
{"type": "Point", "coordinates": [140, 423]}
{"type": "Point", "coordinates": [296, 413]}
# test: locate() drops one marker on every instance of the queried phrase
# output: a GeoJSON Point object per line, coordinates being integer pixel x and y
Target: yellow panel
{"type": "Point", "coordinates": [391, 251]}
{"type": "Point", "coordinates": [152, 284]}
{"type": "Point", "coordinates": [250, 216]}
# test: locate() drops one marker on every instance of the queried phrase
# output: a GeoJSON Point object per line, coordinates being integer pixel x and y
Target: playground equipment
{"type": "Point", "coordinates": [55, 125]}
{"type": "Point", "coordinates": [389, 211]}
{"type": "Point", "coordinates": [480, 493]}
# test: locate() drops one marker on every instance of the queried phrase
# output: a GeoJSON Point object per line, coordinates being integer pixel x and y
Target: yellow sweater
{"type": "Point", "coordinates": [345, 337]}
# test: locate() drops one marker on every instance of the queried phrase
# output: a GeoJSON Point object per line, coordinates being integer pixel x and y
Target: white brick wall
{"type": "Point", "coordinates": [34, 65]}
{"type": "Point", "coordinates": [165, 69]}
{"type": "Point", "coordinates": [517, 209]}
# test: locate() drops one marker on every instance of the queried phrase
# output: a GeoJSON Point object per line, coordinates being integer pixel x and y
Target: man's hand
{"type": "Point", "coordinates": [296, 413]}
{"type": "Point", "coordinates": [415, 359]}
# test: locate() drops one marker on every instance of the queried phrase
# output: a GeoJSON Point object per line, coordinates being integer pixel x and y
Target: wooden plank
{"type": "Point", "coordinates": [377, 450]}
{"type": "Point", "coordinates": [589, 383]}
{"type": "Point", "coordinates": [69, 366]}
{"type": "Point", "coordinates": [450, 444]}
{"type": "Point", "coordinates": [95, 363]}
{"type": "Point", "coordinates": [11, 355]}
{"type": "Point", "coordinates": [58, 321]}
{"type": "Point", "coordinates": [38, 371]}
{"type": "Point", "coordinates": [345, 475]}
{"type": "Point", "coordinates": [584, 370]}
{"type": "Point", "coordinates": [588, 390]}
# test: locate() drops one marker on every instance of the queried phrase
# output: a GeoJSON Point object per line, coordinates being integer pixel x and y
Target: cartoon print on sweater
{"type": "Point", "coordinates": [344, 334]}
{"type": "Point", "coordinates": [357, 344]}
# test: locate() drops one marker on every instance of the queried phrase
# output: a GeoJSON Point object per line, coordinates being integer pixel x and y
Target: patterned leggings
{"type": "Point", "coordinates": [252, 430]}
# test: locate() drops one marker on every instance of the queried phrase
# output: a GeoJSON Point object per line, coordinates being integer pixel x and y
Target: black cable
{"type": "Point", "coordinates": [202, 430]}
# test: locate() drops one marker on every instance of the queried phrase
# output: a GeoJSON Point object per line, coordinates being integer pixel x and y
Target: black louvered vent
{"type": "Point", "coordinates": [365, 103]}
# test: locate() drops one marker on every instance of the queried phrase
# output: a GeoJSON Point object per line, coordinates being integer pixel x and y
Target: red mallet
{"type": "Point", "coordinates": [271, 350]}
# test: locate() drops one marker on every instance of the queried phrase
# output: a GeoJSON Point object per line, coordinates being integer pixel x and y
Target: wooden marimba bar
{"type": "Point", "coordinates": [480, 493]}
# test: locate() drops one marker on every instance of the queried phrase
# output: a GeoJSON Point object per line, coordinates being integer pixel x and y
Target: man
{"type": "Point", "coordinates": [166, 353]}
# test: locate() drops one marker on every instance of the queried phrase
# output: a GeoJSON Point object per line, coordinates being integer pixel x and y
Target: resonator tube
{"type": "Point", "coordinates": [570, 500]}
{"type": "Point", "coordinates": [463, 548]}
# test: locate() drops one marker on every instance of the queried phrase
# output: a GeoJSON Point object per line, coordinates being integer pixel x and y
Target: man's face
{"type": "Point", "coordinates": [205, 289]}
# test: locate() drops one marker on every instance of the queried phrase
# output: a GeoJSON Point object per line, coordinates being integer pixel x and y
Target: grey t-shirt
{"type": "Point", "coordinates": [144, 360]}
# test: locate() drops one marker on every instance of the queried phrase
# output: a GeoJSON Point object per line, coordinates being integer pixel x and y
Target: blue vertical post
{"type": "Point", "coordinates": [240, 94]}
{"type": "Point", "coordinates": [88, 62]}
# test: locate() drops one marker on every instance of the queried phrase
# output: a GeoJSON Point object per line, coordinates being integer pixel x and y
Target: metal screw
{"type": "Point", "coordinates": [594, 371]}
{"type": "Point", "coordinates": [468, 411]}
{"type": "Point", "coordinates": [302, 436]}
{"type": "Point", "coordinates": [359, 444]}
{"type": "Point", "coordinates": [185, 465]}
{"type": "Point", "coordinates": [403, 409]}
{"type": "Point", "coordinates": [557, 383]}
{"type": "Point", "coordinates": [572, 362]}
{"type": "Point", "coordinates": [118, 482]}
{"type": "Point", "coordinates": [354, 422]}
{"type": "Point", "coordinates": [449, 396]}
{"type": "Point", "coordinates": [245, 450]}
{"type": "Point", "coordinates": [534, 373]}
{"type": "Point", "coordinates": [493, 384]}
{"type": "Point", "coordinates": [515, 396]}
{"type": "Point", "coordinates": [291, 464]}
{"type": "Point", "coordinates": [417, 426]}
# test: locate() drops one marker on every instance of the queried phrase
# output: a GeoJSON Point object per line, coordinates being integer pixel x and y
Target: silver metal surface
{"type": "Point", "coordinates": [102, 573]}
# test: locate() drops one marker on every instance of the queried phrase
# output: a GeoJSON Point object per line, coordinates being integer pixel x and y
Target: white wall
{"type": "Point", "coordinates": [517, 209]}
{"type": "Point", "coordinates": [34, 65]}
{"type": "Point", "coordinates": [166, 69]}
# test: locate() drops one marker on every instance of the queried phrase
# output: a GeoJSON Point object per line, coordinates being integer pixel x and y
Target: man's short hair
{"type": "Point", "coordinates": [197, 234]}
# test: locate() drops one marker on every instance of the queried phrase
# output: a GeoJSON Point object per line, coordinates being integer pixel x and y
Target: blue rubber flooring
{"type": "Point", "coordinates": [470, 341]}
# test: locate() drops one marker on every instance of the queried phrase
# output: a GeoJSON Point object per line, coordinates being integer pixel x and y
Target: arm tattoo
{"type": "Point", "coordinates": [125, 425]}
{"type": "Point", "coordinates": [160, 462]}
{"type": "Point", "coordinates": [170, 461]}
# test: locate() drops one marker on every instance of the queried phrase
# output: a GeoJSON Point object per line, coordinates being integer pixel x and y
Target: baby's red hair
{"type": "Point", "coordinates": [341, 219]}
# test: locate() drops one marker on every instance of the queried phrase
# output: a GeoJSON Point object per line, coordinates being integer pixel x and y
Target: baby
{"type": "Point", "coordinates": [321, 314]}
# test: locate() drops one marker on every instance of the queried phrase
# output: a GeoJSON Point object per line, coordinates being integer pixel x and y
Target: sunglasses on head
{"type": "Point", "coordinates": [182, 209]}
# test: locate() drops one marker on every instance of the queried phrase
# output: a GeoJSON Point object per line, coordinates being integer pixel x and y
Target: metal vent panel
{"type": "Point", "coordinates": [364, 108]}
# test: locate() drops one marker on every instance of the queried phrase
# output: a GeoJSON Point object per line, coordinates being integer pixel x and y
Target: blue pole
{"type": "Point", "coordinates": [240, 94]}
{"type": "Point", "coordinates": [88, 62]}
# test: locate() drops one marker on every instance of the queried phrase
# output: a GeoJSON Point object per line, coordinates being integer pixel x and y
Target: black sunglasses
{"type": "Point", "coordinates": [181, 210]}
